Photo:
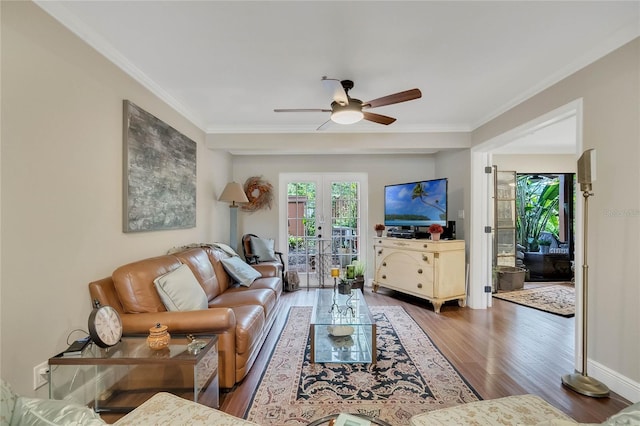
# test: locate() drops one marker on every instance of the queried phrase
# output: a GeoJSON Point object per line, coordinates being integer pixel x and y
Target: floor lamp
{"type": "Point", "coordinates": [581, 382]}
{"type": "Point", "coordinates": [233, 193]}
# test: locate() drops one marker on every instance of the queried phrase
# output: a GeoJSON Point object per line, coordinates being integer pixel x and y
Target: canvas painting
{"type": "Point", "coordinates": [159, 174]}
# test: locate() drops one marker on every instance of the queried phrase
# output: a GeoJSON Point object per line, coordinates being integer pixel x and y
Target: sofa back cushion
{"type": "Point", "coordinates": [135, 287]}
{"type": "Point", "coordinates": [200, 264]}
{"type": "Point", "coordinates": [180, 290]}
{"type": "Point", "coordinates": [215, 256]}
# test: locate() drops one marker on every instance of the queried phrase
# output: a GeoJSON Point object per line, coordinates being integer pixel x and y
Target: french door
{"type": "Point", "coordinates": [321, 220]}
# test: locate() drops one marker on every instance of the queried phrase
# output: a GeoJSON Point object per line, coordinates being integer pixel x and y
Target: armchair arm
{"type": "Point", "coordinates": [212, 320]}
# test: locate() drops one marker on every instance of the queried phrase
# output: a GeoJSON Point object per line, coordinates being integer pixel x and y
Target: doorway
{"type": "Point", "coordinates": [545, 205]}
{"type": "Point", "coordinates": [322, 221]}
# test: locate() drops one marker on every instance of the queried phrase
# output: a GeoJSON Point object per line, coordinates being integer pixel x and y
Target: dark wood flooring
{"type": "Point", "coordinates": [506, 350]}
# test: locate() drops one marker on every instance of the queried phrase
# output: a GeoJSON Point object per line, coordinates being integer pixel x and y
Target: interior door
{"type": "Point", "coordinates": [322, 224]}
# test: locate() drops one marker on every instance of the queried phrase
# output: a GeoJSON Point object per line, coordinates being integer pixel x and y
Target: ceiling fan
{"type": "Point", "coordinates": [348, 110]}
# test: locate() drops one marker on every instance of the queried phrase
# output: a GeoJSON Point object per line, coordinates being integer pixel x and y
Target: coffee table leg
{"type": "Point", "coordinates": [374, 353]}
{"type": "Point", "coordinates": [312, 330]}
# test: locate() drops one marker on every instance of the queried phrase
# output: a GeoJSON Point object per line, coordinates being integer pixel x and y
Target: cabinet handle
{"type": "Point", "coordinates": [419, 271]}
{"type": "Point", "coordinates": [379, 252]}
{"type": "Point", "coordinates": [424, 245]}
{"type": "Point", "coordinates": [419, 285]}
{"type": "Point", "coordinates": [425, 258]}
{"type": "Point", "coordinates": [384, 263]}
{"type": "Point", "coordinates": [384, 277]}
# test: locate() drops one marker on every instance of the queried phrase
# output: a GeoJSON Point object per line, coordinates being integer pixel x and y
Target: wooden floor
{"type": "Point", "coordinates": [505, 350]}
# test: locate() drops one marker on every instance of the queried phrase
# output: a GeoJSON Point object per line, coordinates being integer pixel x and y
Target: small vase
{"type": "Point", "coordinates": [158, 337]}
{"type": "Point", "coordinates": [435, 236]}
{"type": "Point", "coordinates": [379, 233]}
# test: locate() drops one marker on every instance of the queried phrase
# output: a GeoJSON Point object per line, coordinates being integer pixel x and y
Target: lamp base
{"type": "Point", "coordinates": [585, 385]}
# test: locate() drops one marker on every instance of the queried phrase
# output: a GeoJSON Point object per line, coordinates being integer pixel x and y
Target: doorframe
{"type": "Point", "coordinates": [481, 216]}
{"type": "Point", "coordinates": [362, 178]}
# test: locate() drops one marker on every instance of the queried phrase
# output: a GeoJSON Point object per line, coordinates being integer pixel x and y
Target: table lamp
{"type": "Point", "coordinates": [233, 193]}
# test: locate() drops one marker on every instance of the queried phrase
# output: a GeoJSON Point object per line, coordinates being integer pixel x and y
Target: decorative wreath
{"type": "Point", "coordinates": [259, 192]}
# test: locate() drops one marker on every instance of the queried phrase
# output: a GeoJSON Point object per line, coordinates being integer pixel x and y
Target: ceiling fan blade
{"type": "Point", "coordinates": [301, 110]}
{"type": "Point", "coordinates": [334, 87]}
{"type": "Point", "coordinates": [377, 118]}
{"type": "Point", "coordinates": [325, 125]}
{"type": "Point", "coordinates": [407, 95]}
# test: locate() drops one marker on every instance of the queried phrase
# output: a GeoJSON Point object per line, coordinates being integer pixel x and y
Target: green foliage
{"type": "Point", "coordinates": [296, 243]}
{"type": "Point", "coordinates": [359, 267]}
{"type": "Point", "coordinates": [537, 202]}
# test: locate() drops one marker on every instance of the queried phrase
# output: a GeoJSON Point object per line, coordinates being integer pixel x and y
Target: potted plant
{"type": "Point", "coordinates": [379, 228]}
{"type": "Point", "coordinates": [544, 246]}
{"type": "Point", "coordinates": [435, 230]}
{"type": "Point", "coordinates": [359, 268]}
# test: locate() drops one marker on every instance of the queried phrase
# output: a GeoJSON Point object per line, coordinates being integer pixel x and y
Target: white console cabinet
{"type": "Point", "coordinates": [432, 270]}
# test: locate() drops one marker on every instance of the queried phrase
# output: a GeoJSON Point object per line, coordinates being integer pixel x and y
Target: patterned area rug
{"type": "Point", "coordinates": [557, 299]}
{"type": "Point", "coordinates": [411, 376]}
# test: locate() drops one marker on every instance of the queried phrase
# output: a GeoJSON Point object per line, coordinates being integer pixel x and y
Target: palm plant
{"type": "Point", "coordinates": [537, 201]}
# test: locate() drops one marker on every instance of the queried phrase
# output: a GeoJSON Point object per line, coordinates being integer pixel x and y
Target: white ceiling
{"type": "Point", "coordinates": [226, 65]}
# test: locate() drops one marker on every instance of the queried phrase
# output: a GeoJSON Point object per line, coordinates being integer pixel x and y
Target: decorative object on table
{"type": "Point", "coordinates": [435, 230]}
{"type": "Point", "coordinates": [159, 174]}
{"type": "Point", "coordinates": [379, 228]}
{"type": "Point", "coordinates": [195, 346]}
{"type": "Point", "coordinates": [351, 272]}
{"type": "Point", "coordinates": [359, 268]}
{"type": "Point", "coordinates": [259, 192]}
{"type": "Point", "coordinates": [412, 376]}
{"type": "Point", "coordinates": [344, 286]}
{"type": "Point", "coordinates": [581, 382]}
{"type": "Point", "coordinates": [105, 325]}
{"type": "Point", "coordinates": [335, 274]}
{"type": "Point", "coordinates": [158, 337]}
{"type": "Point", "coordinates": [340, 330]}
{"type": "Point", "coordinates": [234, 194]}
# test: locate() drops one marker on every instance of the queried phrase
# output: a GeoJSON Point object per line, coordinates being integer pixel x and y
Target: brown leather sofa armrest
{"type": "Point", "coordinates": [210, 321]}
{"type": "Point", "coordinates": [267, 269]}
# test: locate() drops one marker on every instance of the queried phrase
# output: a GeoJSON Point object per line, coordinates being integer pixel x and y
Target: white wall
{"type": "Point", "coordinates": [61, 175]}
{"type": "Point", "coordinates": [610, 92]}
{"type": "Point", "coordinates": [535, 163]}
{"type": "Point", "coordinates": [381, 170]}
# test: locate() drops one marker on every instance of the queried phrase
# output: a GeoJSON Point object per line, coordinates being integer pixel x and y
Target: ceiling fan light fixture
{"type": "Point", "coordinates": [347, 114]}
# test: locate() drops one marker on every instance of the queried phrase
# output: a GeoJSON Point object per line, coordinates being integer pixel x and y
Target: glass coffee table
{"type": "Point", "coordinates": [342, 329]}
{"type": "Point", "coordinates": [120, 378]}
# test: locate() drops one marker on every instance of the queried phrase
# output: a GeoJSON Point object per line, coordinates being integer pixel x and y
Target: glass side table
{"type": "Point", "coordinates": [120, 378]}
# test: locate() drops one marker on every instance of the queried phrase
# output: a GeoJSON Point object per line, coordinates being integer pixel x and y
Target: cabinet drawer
{"type": "Point", "coordinates": [410, 272]}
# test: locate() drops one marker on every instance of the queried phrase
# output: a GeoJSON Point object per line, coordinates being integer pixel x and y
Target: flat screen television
{"type": "Point", "coordinates": [416, 203]}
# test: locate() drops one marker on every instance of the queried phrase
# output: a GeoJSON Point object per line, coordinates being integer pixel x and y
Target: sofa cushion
{"type": "Point", "coordinates": [519, 409]}
{"type": "Point", "coordinates": [134, 283]}
{"type": "Point", "coordinates": [263, 248]}
{"type": "Point", "coordinates": [200, 264]}
{"type": "Point", "coordinates": [241, 272]}
{"type": "Point", "coordinates": [7, 403]}
{"type": "Point", "coordinates": [250, 323]}
{"type": "Point", "coordinates": [167, 409]}
{"type": "Point", "coordinates": [180, 290]}
{"type": "Point", "coordinates": [247, 296]}
{"type": "Point", "coordinates": [43, 412]}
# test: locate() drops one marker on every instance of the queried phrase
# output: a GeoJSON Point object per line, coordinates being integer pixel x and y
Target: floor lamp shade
{"type": "Point", "coordinates": [233, 193]}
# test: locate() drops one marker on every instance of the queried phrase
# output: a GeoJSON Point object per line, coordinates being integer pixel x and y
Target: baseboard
{"type": "Point", "coordinates": [617, 383]}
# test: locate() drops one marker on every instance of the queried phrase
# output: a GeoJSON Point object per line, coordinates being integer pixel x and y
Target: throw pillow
{"type": "Point", "coordinates": [180, 290]}
{"type": "Point", "coordinates": [263, 248]}
{"type": "Point", "coordinates": [241, 273]}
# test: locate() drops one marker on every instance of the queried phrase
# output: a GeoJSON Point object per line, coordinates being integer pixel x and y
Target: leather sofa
{"type": "Point", "coordinates": [240, 316]}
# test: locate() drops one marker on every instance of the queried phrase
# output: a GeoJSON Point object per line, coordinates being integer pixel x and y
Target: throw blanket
{"type": "Point", "coordinates": [220, 246]}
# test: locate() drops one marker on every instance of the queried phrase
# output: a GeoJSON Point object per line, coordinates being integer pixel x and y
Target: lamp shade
{"type": "Point", "coordinates": [233, 193]}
